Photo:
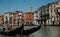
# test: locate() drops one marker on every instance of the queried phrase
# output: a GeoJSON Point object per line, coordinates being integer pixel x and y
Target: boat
{"type": "Point", "coordinates": [12, 32]}
{"type": "Point", "coordinates": [20, 30]}
{"type": "Point", "coordinates": [30, 31]}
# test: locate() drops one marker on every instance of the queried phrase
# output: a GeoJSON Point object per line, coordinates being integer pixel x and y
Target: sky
{"type": "Point", "coordinates": [21, 5]}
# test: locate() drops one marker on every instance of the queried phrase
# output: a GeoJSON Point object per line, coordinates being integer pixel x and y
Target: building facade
{"type": "Point", "coordinates": [44, 14]}
{"type": "Point", "coordinates": [1, 19]}
{"type": "Point", "coordinates": [36, 17]}
{"type": "Point", "coordinates": [50, 13]}
{"type": "Point", "coordinates": [53, 12]}
{"type": "Point", "coordinates": [13, 18]}
{"type": "Point", "coordinates": [28, 18]}
{"type": "Point", "coordinates": [47, 15]}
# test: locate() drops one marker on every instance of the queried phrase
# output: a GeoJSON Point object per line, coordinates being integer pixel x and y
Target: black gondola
{"type": "Point", "coordinates": [21, 31]}
{"type": "Point", "coordinates": [30, 31]}
{"type": "Point", "coordinates": [13, 32]}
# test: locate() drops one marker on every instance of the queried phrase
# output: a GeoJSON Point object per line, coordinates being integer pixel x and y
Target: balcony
{"type": "Point", "coordinates": [58, 10]}
{"type": "Point", "coordinates": [45, 15]}
{"type": "Point", "coordinates": [58, 13]}
{"type": "Point", "coordinates": [42, 19]}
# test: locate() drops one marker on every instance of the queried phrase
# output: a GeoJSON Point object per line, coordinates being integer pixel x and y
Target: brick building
{"type": "Point", "coordinates": [28, 18]}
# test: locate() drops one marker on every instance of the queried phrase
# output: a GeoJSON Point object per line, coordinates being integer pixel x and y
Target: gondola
{"type": "Point", "coordinates": [30, 31]}
{"type": "Point", "coordinates": [21, 31]}
{"type": "Point", "coordinates": [13, 32]}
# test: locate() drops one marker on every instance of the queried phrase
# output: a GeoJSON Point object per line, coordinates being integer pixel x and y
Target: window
{"type": "Point", "coordinates": [51, 8]}
{"type": "Point", "coordinates": [14, 21]}
{"type": "Point", "coordinates": [6, 20]}
{"type": "Point", "coordinates": [58, 10]}
{"type": "Point", "coordinates": [1, 19]}
{"type": "Point", "coordinates": [54, 6]}
{"type": "Point", "coordinates": [41, 11]}
{"type": "Point", "coordinates": [10, 19]}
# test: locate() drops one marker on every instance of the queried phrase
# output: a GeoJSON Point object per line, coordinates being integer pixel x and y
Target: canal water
{"type": "Point", "coordinates": [45, 31]}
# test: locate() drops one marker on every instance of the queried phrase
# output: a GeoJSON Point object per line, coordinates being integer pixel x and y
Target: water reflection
{"type": "Point", "coordinates": [45, 31]}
